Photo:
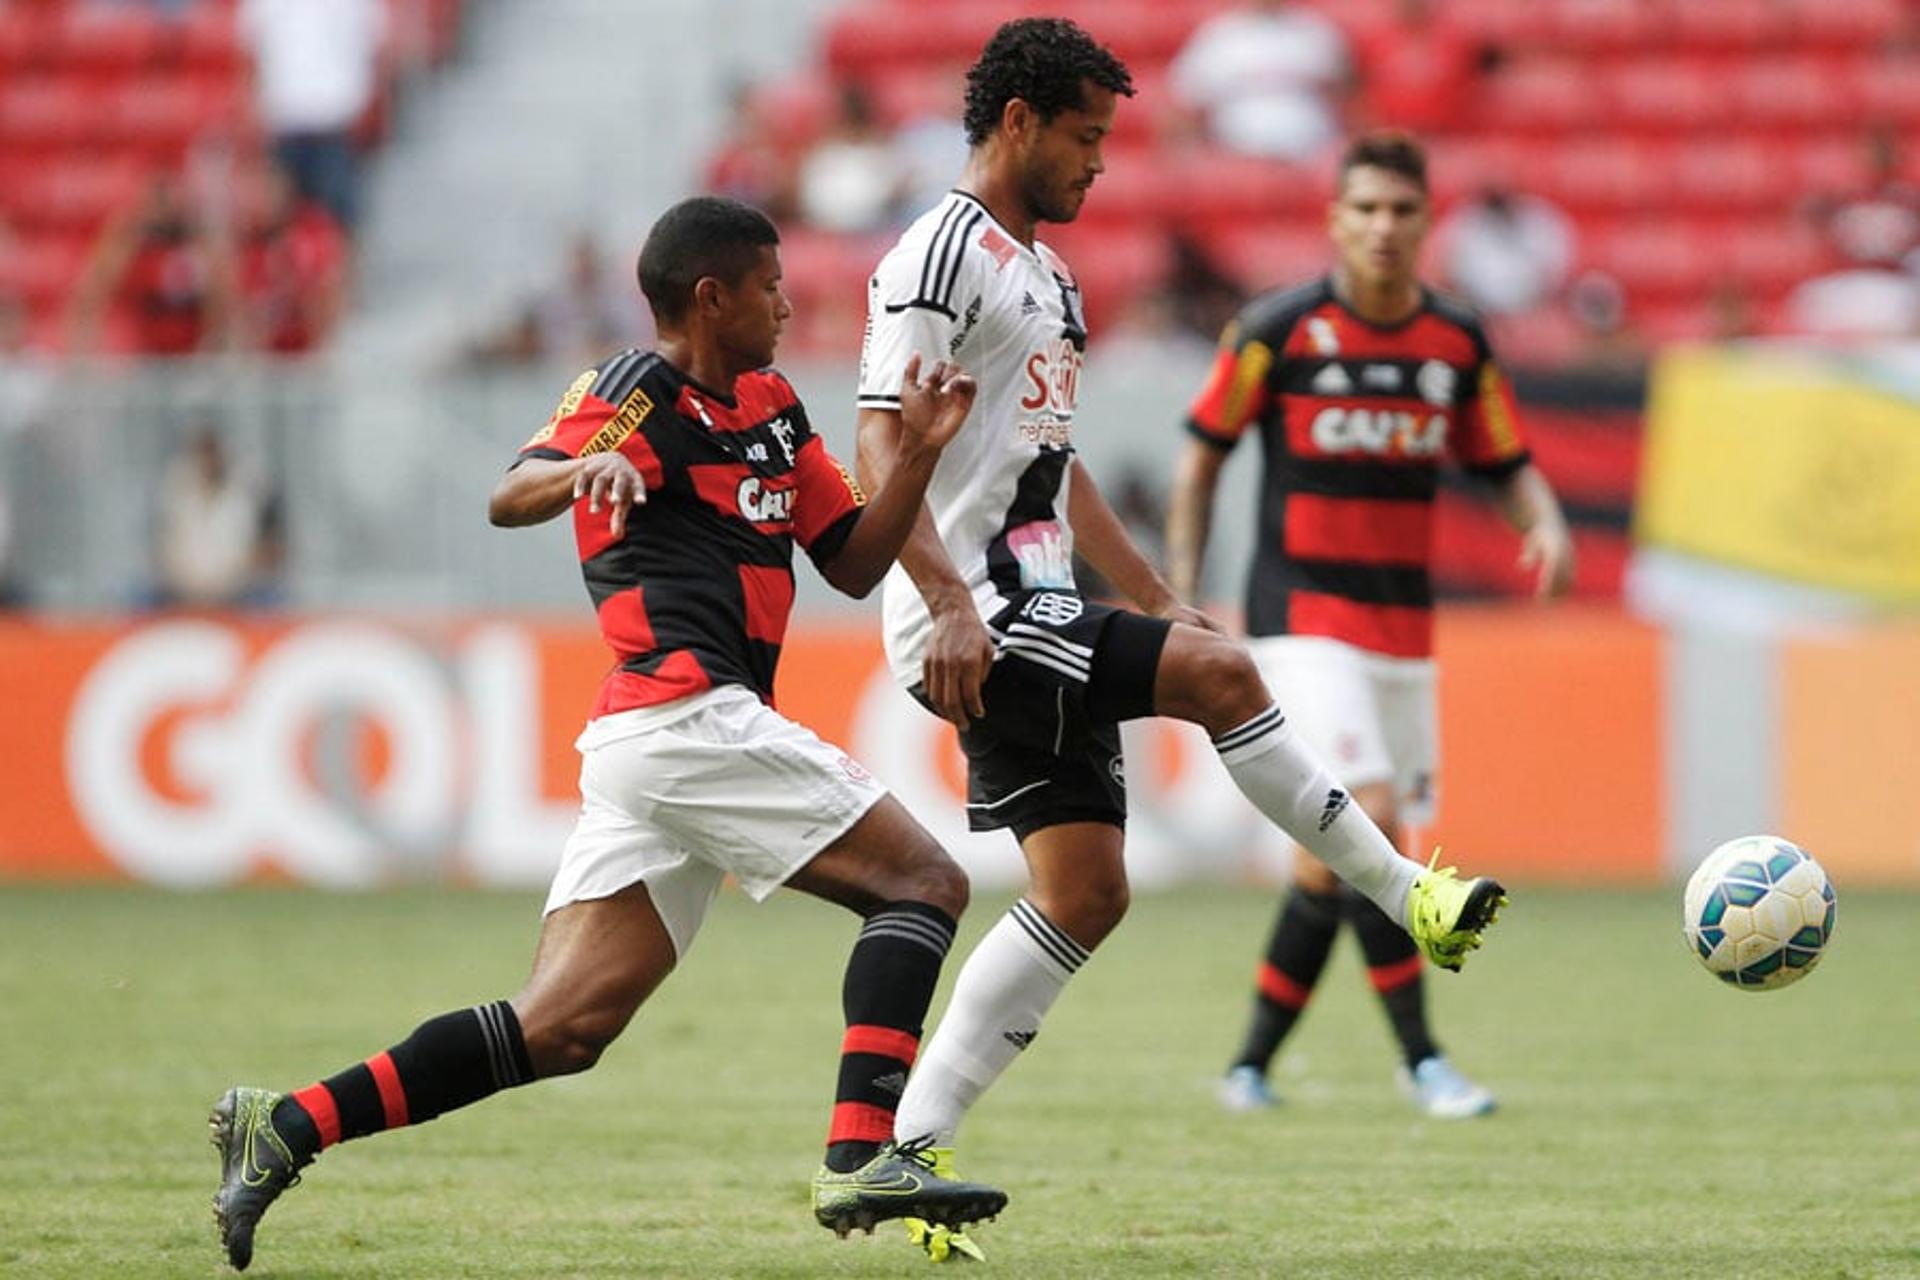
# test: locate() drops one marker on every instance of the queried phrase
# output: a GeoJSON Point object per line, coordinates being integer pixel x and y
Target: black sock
{"type": "Point", "coordinates": [447, 1062]}
{"type": "Point", "coordinates": [890, 980]}
{"type": "Point", "coordinates": [1297, 952]}
{"type": "Point", "coordinates": [1395, 969]}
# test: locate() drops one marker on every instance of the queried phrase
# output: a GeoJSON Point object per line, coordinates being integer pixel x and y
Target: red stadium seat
{"type": "Point", "coordinates": [1849, 24]}
{"type": "Point", "coordinates": [50, 112]}
{"type": "Point", "coordinates": [1503, 22]}
{"type": "Point", "coordinates": [1736, 172]}
{"type": "Point", "coordinates": [1772, 255]}
{"type": "Point", "coordinates": [1598, 26]}
{"type": "Point", "coordinates": [1554, 95]}
{"type": "Point", "coordinates": [73, 192]}
{"type": "Point", "coordinates": [1602, 173]}
{"type": "Point", "coordinates": [1732, 25]}
{"type": "Point", "coordinates": [1889, 90]}
{"type": "Point", "coordinates": [1261, 256]}
{"type": "Point", "coordinates": [117, 37]}
{"type": "Point", "coordinates": [1798, 91]}
{"type": "Point", "coordinates": [43, 268]}
{"type": "Point", "coordinates": [1662, 93]}
{"type": "Point", "coordinates": [1656, 259]}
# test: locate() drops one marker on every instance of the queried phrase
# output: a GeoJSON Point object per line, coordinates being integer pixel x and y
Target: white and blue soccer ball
{"type": "Point", "coordinates": [1759, 913]}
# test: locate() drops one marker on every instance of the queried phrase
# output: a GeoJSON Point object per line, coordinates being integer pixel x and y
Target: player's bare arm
{"type": "Point", "coordinates": [1190, 515]}
{"type": "Point", "coordinates": [932, 409]}
{"type": "Point", "coordinates": [538, 489]}
{"type": "Point", "coordinates": [1546, 547]}
{"type": "Point", "coordinates": [1104, 542]}
{"type": "Point", "coordinates": [960, 652]}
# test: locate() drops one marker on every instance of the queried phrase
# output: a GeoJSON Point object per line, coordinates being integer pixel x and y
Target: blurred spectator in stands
{"type": "Point", "coordinates": [1204, 297]}
{"type": "Point", "coordinates": [929, 149]}
{"type": "Point", "coordinates": [751, 165]}
{"type": "Point", "coordinates": [853, 179]}
{"type": "Point", "coordinates": [217, 537]}
{"type": "Point", "coordinates": [161, 265]}
{"type": "Point", "coordinates": [1604, 335]}
{"type": "Point", "coordinates": [1505, 252]}
{"type": "Point", "coordinates": [1856, 303]}
{"type": "Point", "coordinates": [1267, 78]}
{"type": "Point", "coordinates": [1877, 225]}
{"type": "Point", "coordinates": [1731, 313]}
{"type": "Point", "coordinates": [293, 267]}
{"type": "Point", "coordinates": [317, 72]}
{"type": "Point", "coordinates": [1421, 70]}
{"type": "Point", "coordinates": [590, 311]}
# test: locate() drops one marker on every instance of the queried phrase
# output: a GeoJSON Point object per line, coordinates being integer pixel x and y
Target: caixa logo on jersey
{"type": "Point", "coordinates": [1387, 432]}
{"type": "Point", "coordinates": [1053, 379]}
{"type": "Point", "coordinates": [762, 503]}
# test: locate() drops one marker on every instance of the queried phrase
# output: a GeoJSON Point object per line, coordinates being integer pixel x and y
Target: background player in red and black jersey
{"type": "Point", "coordinates": [1362, 384]}
{"type": "Point", "coordinates": [691, 471]}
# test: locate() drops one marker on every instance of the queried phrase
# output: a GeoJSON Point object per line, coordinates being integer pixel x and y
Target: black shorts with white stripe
{"type": "Point", "coordinates": [1048, 749]}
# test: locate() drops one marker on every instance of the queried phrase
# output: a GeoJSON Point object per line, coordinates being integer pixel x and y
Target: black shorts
{"type": "Point", "coordinates": [1048, 749]}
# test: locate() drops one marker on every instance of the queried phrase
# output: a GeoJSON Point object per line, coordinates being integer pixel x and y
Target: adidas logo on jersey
{"type": "Point", "coordinates": [1028, 306]}
{"type": "Point", "coordinates": [1337, 802]}
{"type": "Point", "coordinates": [1019, 1039]}
{"type": "Point", "coordinates": [1332, 381]}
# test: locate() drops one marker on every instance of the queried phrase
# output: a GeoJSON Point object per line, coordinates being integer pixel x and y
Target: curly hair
{"type": "Point", "coordinates": [1043, 62]}
{"type": "Point", "coordinates": [1389, 149]}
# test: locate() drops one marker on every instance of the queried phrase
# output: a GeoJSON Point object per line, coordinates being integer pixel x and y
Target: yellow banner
{"type": "Point", "coordinates": [1777, 463]}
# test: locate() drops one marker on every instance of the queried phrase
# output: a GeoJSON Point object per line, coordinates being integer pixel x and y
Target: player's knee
{"type": "Point", "coordinates": [575, 1043]}
{"type": "Point", "coordinates": [1090, 910]}
{"type": "Point", "coordinates": [938, 881]}
{"type": "Point", "coordinates": [1227, 686]}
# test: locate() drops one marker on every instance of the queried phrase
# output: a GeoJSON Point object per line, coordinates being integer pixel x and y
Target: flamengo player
{"type": "Point", "coordinates": [982, 617]}
{"type": "Point", "coordinates": [692, 472]}
{"type": "Point", "coordinates": [1362, 384]}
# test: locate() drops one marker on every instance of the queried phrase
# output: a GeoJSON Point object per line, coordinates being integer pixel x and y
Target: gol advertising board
{"type": "Point", "coordinates": [353, 752]}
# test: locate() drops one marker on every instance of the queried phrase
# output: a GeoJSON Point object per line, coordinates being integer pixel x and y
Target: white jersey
{"type": "Point", "coordinates": [958, 286]}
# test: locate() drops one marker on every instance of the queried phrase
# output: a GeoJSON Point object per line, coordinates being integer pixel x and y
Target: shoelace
{"type": "Point", "coordinates": [919, 1150]}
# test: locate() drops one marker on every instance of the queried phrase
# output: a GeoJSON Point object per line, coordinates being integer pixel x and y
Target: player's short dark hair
{"type": "Point", "coordinates": [1043, 62]}
{"type": "Point", "coordinates": [1389, 149]}
{"type": "Point", "coordinates": [701, 236]}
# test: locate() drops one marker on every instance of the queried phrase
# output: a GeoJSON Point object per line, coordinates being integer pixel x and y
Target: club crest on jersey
{"type": "Point", "coordinates": [1054, 608]}
{"type": "Point", "coordinates": [1437, 382]}
{"type": "Point", "coordinates": [783, 432]}
{"type": "Point", "coordinates": [1321, 333]}
{"type": "Point", "coordinates": [763, 504]}
{"type": "Point", "coordinates": [1386, 432]}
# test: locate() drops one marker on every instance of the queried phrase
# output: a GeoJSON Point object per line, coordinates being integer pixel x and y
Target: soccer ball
{"type": "Point", "coordinates": [1758, 912]}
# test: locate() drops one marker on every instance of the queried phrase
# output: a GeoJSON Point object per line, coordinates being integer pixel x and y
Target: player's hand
{"type": "Point", "coordinates": [609, 480]}
{"type": "Point", "coordinates": [1547, 551]}
{"type": "Point", "coordinates": [932, 408]}
{"type": "Point", "coordinates": [1177, 612]}
{"type": "Point", "coordinates": [959, 657]}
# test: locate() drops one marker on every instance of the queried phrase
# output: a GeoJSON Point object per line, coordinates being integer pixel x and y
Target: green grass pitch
{"type": "Point", "coordinates": [1653, 1123]}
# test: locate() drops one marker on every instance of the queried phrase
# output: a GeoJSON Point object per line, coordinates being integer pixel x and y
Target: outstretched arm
{"type": "Point", "coordinates": [1104, 541]}
{"type": "Point", "coordinates": [538, 489]}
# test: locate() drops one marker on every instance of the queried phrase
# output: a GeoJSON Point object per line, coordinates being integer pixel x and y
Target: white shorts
{"type": "Point", "coordinates": [1372, 718]}
{"type": "Point", "coordinates": [681, 795]}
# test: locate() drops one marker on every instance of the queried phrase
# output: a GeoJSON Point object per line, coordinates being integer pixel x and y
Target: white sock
{"type": "Point", "coordinates": [1286, 781]}
{"type": "Point", "coordinates": [1003, 993]}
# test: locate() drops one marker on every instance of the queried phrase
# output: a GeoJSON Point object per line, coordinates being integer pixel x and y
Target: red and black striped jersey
{"type": "Point", "coordinates": [1355, 421]}
{"type": "Point", "coordinates": [697, 590]}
